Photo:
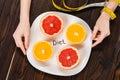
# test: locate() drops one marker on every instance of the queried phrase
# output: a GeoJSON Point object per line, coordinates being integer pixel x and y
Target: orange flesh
{"type": "Point", "coordinates": [42, 51]}
{"type": "Point", "coordinates": [75, 33]}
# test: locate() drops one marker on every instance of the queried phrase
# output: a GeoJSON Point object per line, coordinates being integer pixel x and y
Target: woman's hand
{"type": "Point", "coordinates": [22, 35]}
{"type": "Point", "coordinates": [101, 29]}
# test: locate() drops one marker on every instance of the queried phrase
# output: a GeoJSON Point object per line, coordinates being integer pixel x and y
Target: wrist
{"type": "Point", "coordinates": [111, 14]}
{"type": "Point", "coordinates": [24, 19]}
{"type": "Point", "coordinates": [104, 15]}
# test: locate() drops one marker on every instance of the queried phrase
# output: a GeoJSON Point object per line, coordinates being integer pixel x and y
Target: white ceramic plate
{"type": "Point", "coordinates": [51, 66]}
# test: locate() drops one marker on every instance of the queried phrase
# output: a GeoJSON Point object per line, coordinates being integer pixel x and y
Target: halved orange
{"type": "Point", "coordinates": [75, 33]}
{"type": "Point", "coordinates": [42, 51]}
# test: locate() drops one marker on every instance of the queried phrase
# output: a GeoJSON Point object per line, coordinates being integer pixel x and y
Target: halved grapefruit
{"type": "Point", "coordinates": [68, 58]}
{"type": "Point", "coordinates": [42, 50]}
{"type": "Point", "coordinates": [51, 25]}
{"type": "Point", "coordinates": [75, 33]}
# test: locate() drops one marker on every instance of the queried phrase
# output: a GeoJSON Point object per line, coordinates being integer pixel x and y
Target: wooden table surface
{"type": "Point", "coordinates": [104, 62]}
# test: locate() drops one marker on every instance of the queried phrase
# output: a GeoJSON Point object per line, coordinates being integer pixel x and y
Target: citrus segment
{"type": "Point", "coordinates": [42, 51]}
{"type": "Point", "coordinates": [68, 57]}
{"type": "Point", "coordinates": [51, 25]}
{"type": "Point", "coordinates": [75, 33]}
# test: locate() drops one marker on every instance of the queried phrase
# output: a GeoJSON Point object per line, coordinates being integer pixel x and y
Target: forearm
{"type": "Point", "coordinates": [111, 5]}
{"type": "Point", "coordinates": [24, 10]}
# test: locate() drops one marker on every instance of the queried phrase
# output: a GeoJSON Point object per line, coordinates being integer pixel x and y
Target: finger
{"type": "Point", "coordinates": [22, 48]}
{"type": "Point", "coordinates": [96, 43]}
{"type": "Point", "coordinates": [97, 37]}
{"type": "Point", "coordinates": [20, 43]}
{"type": "Point", "coordinates": [27, 38]}
{"type": "Point", "coordinates": [98, 40]}
{"type": "Point", "coordinates": [94, 33]}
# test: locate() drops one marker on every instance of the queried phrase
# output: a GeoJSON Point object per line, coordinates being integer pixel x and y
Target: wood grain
{"type": "Point", "coordinates": [8, 20]}
{"type": "Point", "coordinates": [104, 62]}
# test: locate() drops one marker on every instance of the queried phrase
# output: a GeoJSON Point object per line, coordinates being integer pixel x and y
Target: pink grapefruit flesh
{"type": "Point", "coordinates": [68, 58]}
{"type": "Point", "coordinates": [51, 25]}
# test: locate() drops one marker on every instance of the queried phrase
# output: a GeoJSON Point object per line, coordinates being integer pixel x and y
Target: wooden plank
{"type": "Point", "coordinates": [116, 61]}
{"type": "Point", "coordinates": [104, 63]}
{"type": "Point", "coordinates": [2, 2]}
{"type": "Point", "coordinates": [7, 25]}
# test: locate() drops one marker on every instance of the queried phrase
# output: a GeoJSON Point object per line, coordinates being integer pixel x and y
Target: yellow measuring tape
{"type": "Point", "coordinates": [60, 8]}
{"type": "Point", "coordinates": [67, 8]}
